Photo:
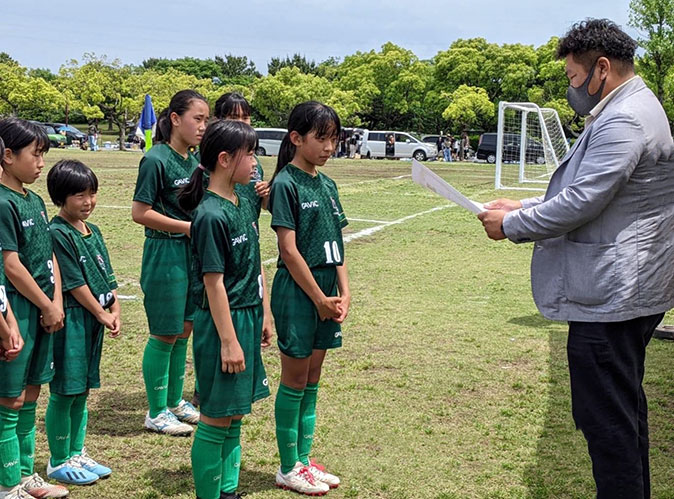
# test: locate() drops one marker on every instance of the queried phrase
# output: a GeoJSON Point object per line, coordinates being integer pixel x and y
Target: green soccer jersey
{"type": "Point", "coordinates": [3, 290]}
{"type": "Point", "coordinates": [225, 240]}
{"type": "Point", "coordinates": [83, 259]}
{"type": "Point", "coordinates": [24, 228]}
{"type": "Point", "coordinates": [161, 174]}
{"type": "Point", "coordinates": [248, 190]}
{"type": "Point", "coordinates": [310, 206]}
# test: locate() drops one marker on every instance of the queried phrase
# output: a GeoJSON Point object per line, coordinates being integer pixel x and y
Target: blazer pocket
{"type": "Point", "coordinates": [590, 272]}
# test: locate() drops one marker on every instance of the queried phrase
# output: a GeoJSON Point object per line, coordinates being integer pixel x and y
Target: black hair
{"type": "Point", "coordinates": [69, 177]}
{"type": "Point", "coordinates": [220, 136]}
{"type": "Point", "coordinates": [590, 39]}
{"type": "Point", "coordinates": [17, 134]}
{"type": "Point", "coordinates": [179, 104]}
{"type": "Point", "coordinates": [310, 116]}
{"type": "Point", "coordinates": [2, 150]}
{"type": "Point", "coordinates": [232, 105]}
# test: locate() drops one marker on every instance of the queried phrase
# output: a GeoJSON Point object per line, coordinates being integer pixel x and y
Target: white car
{"type": "Point", "coordinates": [269, 140]}
{"type": "Point", "coordinates": [378, 144]}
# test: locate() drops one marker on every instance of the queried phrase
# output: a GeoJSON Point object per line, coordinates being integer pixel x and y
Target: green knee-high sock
{"type": "Point", "coordinates": [207, 460]}
{"type": "Point", "coordinates": [287, 414]}
{"type": "Point", "coordinates": [79, 417]}
{"type": "Point", "coordinates": [177, 372]}
{"type": "Point", "coordinates": [155, 373]}
{"type": "Point", "coordinates": [10, 471]}
{"type": "Point", "coordinates": [305, 429]}
{"type": "Point", "coordinates": [25, 431]}
{"type": "Point", "coordinates": [57, 424]}
{"type": "Point", "coordinates": [231, 458]}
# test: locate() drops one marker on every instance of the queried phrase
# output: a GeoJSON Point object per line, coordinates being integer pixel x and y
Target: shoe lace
{"type": "Point", "coordinates": [314, 464]}
{"type": "Point", "coordinates": [35, 480]}
{"type": "Point", "coordinates": [83, 460]}
{"type": "Point", "coordinates": [306, 474]}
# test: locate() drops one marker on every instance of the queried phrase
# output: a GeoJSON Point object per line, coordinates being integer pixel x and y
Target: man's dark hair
{"type": "Point", "coordinates": [588, 40]}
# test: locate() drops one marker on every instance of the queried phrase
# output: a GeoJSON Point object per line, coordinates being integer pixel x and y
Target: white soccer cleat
{"type": "Point", "coordinates": [167, 423]}
{"type": "Point", "coordinates": [323, 476]}
{"type": "Point", "coordinates": [301, 480]}
{"type": "Point", "coordinates": [185, 412]}
{"type": "Point", "coordinates": [37, 487]}
{"type": "Point", "coordinates": [17, 492]}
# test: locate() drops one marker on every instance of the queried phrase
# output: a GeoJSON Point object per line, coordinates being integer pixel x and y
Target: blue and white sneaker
{"type": "Point", "coordinates": [167, 423]}
{"type": "Point", "coordinates": [84, 461]}
{"type": "Point", "coordinates": [70, 473]}
{"type": "Point", "coordinates": [186, 412]}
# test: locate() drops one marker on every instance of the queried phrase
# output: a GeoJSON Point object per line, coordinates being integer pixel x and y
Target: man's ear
{"type": "Point", "coordinates": [603, 66]}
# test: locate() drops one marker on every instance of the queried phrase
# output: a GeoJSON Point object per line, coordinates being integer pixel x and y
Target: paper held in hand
{"type": "Point", "coordinates": [426, 178]}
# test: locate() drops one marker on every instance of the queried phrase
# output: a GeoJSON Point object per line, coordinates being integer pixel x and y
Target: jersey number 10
{"type": "Point", "coordinates": [332, 254]}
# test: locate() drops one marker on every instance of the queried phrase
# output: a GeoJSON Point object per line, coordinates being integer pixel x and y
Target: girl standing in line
{"type": "Point", "coordinates": [310, 294]}
{"type": "Point", "coordinates": [167, 260]}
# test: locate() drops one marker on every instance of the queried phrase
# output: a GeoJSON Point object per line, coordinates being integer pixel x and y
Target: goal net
{"type": "Point", "coordinates": [530, 143]}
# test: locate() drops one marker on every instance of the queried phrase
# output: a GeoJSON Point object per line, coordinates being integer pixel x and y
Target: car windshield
{"type": "Point", "coordinates": [49, 129]}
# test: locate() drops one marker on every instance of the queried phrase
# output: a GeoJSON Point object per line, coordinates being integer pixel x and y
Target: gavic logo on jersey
{"type": "Point", "coordinates": [27, 223]}
{"type": "Point", "coordinates": [44, 217]}
{"type": "Point", "coordinates": [100, 260]}
{"type": "Point", "coordinates": [310, 204]}
{"type": "Point", "coordinates": [239, 239]}
{"type": "Point", "coordinates": [334, 206]}
{"type": "Point", "coordinates": [83, 259]}
{"type": "Point", "coordinates": [255, 227]}
{"type": "Point", "coordinates": [181, 181]}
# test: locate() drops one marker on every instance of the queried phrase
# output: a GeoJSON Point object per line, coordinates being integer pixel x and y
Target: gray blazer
{"type": "Point", "coordinates": [604, 230]}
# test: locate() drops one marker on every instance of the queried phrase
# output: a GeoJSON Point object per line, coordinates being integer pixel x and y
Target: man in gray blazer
{"type": "Point", "coordinates": [603, 257]}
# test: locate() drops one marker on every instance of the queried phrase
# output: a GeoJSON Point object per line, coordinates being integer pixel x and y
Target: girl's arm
{"type": "Point", "coordinates": [267, 328]}
{"type": "Point", "coordinates": [344, 291]}
{"type": "Point", "coordinates": [328, 307]}
{"type": "Point", "coordinates": [116, 311]}
{"type": "Point", "coordinates": [231, 354]}
{"type": "Point", "coordinates": [85, 297]}
{"type": "Point", "coordinates": [11, 341]}
{"type": "Point", "coordinates": [143, 214]}
{"type": "Point", "coordinates": [58, 290]}
{"type": "Point", "coordinates": [52, 314]}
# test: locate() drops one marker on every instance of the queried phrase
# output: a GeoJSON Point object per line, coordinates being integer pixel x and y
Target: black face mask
{"type": "Point", "coordinates": [580, 99]}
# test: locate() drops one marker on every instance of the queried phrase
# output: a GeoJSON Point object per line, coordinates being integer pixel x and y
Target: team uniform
{"type": "Point", "coordinates": [166, 256]}
{"type": "Point", "coordinates": [225, 240]}
{"type": "Point", "coordinates": [3, 288]}
{"type": "Point", "coordinates": [248, 190]}
{"type": "Point", "coordinates": [309, 206]}
{"type": "Point", "coordinates": [83, 260]}
{"type": "Point", "coordinates": [24, 228]}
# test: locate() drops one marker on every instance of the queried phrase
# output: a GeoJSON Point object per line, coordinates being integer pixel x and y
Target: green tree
{"type": "Point", "coordinates": [655, 20]}
{"type": "Point", "coordinates": [469, 107]}
{"type": "Point", "coordinates": [296, 61]}
{"type": "Point", "coordinates": [27, 96]}
{"type": "Point", "coordinates": [201, 68]}
{"type": "Point", "coordinates": [233, 67]}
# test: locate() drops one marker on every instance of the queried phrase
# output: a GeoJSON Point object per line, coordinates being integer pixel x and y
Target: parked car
{"type": "Point", "coordinates": [486, 149]}
{"type": "Point", "coordinates": [71, 133]}
{"type": "Point", "coordinates": [404, 145]}
{"type": "Point", "coordinates": [269, 141]}
{"type": "Point", "coordinates": [55, 139]}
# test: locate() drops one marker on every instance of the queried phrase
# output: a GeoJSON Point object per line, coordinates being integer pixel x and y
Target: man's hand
{"type": "Point", "coordinates": [503, 204]}
{"type": "Point", "coordinates": [492, 220]}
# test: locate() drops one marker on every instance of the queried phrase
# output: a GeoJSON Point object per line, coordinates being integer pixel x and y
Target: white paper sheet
{"type": "Point", "coordinates": [426, 178]}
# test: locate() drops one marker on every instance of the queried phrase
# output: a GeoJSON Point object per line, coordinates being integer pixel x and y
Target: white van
{"type": "Point", "coordinates": [392, 144]}
{"type": "Point", "coordinates": [269, 140]}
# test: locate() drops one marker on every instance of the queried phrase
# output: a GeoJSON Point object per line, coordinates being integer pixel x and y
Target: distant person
{"type": "Point", "coordinates": [456, 145]}
{"type": "Point", "coordinates": [353, 144]}
{"type": "Point", "coordinates": [604, 234]}
{"type": "Point", "coordinates": [93, 136]}
{"type": "Point", "coordinates": [390, 146]}
{"type": "Point", "coordinates": [167, 260]}
{"type": "Point", "coordinates": [447, 148]}
{"type": "Point", "coordinates": [465, 146]}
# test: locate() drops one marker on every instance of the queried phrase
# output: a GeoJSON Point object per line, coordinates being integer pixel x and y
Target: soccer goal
{"type": "Point", "coordinates": [530, 143]}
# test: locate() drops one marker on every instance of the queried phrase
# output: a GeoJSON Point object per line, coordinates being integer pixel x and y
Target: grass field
{"type": "Point", "coordinates": [449, 384]}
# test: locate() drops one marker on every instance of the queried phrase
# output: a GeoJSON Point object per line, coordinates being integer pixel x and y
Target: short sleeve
{"type": "Point", "coordinates": [112, 280]}
{"type": "Point", "coordinates": [210, 242]}
{"type": "Point", "coordinates": [148, 183]}
{"type": "Point", "coordinates": [68, 260]}
{"type": "Point", "coordinates": [283, 204]}
{"type": "Point", "coordinates": [10, 226]}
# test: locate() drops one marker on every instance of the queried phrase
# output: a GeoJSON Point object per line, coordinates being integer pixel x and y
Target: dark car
{"type": "Point", "coordinates": [72, 134]}
{"type": "Point", "coordinates": [486, 149]}
{"type": "Point", "coordinates": [55, 139]}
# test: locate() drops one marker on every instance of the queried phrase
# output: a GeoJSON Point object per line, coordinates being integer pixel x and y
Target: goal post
{"type": "Point", "coordinates": [530, 143]}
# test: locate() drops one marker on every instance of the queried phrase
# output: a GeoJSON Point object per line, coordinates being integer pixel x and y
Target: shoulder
{"type": "Point", "coordinates": [155, 157]}
{"type": "Point", "coordinates": [328, 181]}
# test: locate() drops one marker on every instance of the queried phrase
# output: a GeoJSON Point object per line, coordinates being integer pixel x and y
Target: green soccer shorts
{"type": "Point", "coordinates": [165, 281]}
{"type": "Point", "coordinates": [35, 363]}
{"type": "Point", "coordinates": [223, 394]}
{"type": "Point", "coordinates": [298, 326]}
{"type": "Point", "coordinates": [77, 353]}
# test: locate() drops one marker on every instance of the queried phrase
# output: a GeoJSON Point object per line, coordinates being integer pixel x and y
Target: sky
{"type": "Point", "coordinates": [46, 34]}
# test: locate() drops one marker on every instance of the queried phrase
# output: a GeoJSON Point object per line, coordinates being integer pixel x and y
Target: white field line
{"type": "Point", "coordinates": [113, 207]}
{"type": "Point", "coordinates": [399, 177]}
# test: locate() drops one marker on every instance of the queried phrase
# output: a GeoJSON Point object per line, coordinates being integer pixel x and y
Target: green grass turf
{"type": "Point", "coordinates": [449, 384]}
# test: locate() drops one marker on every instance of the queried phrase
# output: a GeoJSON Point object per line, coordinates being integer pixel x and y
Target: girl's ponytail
{"type": "Point", "coordinates": [163, 133]}
{"type": "Point", "coordinates": [286, 153]}
{"type": "Point", "coordinates": [189, 196]}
